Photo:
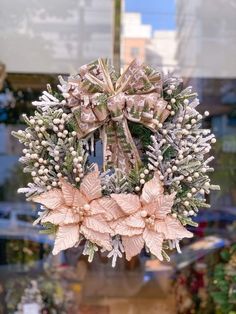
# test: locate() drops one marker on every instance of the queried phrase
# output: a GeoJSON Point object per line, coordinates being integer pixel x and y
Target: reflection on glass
{"type": "Point", "coordinates": [55, 37]}
{"type": "Point", "coordinates": [193, 38]}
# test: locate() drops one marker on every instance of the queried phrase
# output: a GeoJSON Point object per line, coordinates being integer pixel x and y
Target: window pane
{"type": "Point", "coordinates": [54, 36]}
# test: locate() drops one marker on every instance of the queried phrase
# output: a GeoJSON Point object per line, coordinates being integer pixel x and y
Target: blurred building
{"type": "Point", "coordinates": [157, 48]}
{"type": "Point", "coordinates": [161, 51]}
{"type": "Point", "coordinates": [136, 36]}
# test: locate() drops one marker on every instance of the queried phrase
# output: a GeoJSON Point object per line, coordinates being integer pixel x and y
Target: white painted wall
{"type": "Point", "coordinates": [132, 26]}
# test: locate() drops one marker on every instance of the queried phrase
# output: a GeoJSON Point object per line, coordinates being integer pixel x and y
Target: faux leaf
{"type": "Point", "coordinates": [132, 245]}
{"type": "Point", "coordinates": [51, 199]}
{"type": "Point", "coordinates": [154, 243]}
{"type": "Point", "coordinates": [129, 203]}
{"type": "Point", "coordinates": [66, 237]}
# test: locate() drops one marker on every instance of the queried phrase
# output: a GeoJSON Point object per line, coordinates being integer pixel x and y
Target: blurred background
{"type": "Point", "coordinates": [41, 39]}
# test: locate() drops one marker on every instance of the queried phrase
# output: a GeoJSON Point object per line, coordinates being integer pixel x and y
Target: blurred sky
{"type": "Point", "coordinates": [159, 13]}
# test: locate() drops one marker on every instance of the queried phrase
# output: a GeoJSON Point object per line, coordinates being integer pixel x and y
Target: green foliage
{"type": "Point", "coordinates": [169, 153]}
{"type": "Point", "coordinates": [134, 176]}
{"type": "Point", "coordinates": [225, 168]}
{"type": "Point", "coordinates": [72, 125]}
{"type": "Point", "coordinates": [141, 133]}
{"type": "Point", "coordinates": [183, 190]}
{"type": "Point", "coordinates": [49, 228]}
{"type": "Point", "coordinates": [22, 251]}
{"type": "Point", "coordinates": [57, 95]}
{"type": "Point", "coordinates": [187, 221]}
{"type": "Point", "coordinates": [117, 183]}
{"type": "Point", "coordinates": [224, 281]}
{"type": "Point", "coordinates": [68, 163]}
{"type": "Point", "coordinates": [102, 100]}
{"type": "Point", "coordinates": [225, 255]}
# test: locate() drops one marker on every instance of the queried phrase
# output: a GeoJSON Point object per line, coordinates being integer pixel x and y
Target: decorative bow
{"type": "Point", "coordinates": [101, 100]}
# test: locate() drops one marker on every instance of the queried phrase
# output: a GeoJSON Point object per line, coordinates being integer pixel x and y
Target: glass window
{"type": "Point", "coordinates": [26, 218]}
{"type": "Point", "coordinates": [135, 52]}
{"type": "Point", "coordinates": [4, 215]}
{"type": "Point", "coordinates": [193, 39]}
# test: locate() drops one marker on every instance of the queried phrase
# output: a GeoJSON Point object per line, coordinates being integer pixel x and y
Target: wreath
{"type": "Point", "coordinates": [154, 173]}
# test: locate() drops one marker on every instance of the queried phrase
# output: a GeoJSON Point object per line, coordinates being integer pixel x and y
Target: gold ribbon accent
{"type": "Point", "coordinates": [99, 99]}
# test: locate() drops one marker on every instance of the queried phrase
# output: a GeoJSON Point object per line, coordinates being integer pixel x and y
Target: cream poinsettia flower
{"type": "Point", "coordinates": [79, 211]}
{"type": "Point", "coordinates": [147, 220]}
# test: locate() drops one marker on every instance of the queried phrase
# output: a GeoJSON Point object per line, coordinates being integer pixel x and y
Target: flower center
{"type": "Point", "coordinates": [86, 207]}
{"type": "Point", "coordinates": [83, 211]}
{"type": "Point", "coordinates": [143, 213]}
{"type": "Point", "coordinates": [149, 219]}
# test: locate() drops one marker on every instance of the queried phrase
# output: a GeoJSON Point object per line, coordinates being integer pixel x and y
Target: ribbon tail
{"type": "Point", "coordinates": [119, 148]}
{"type": "Point", "coordinates": [128, 144]}
{"type": "Point", "coordinates": [103, 136]}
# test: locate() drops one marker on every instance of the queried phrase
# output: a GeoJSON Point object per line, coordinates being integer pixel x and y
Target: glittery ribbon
{"type": "Point", "coordinates": [99, 99]}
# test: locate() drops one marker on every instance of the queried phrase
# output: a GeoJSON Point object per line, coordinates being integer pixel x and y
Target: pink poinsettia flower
{"type": "Point", "coordinates": [146, 220]}
{"type": "Point", "coordinates": [78, 211]}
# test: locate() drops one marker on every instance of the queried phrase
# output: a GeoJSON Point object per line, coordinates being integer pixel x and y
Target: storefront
{"type": "Point", "coordinates": [40, 41]}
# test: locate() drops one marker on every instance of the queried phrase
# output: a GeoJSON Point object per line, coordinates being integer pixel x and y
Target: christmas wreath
{"type": "Point", "coordinates": [153, 175]}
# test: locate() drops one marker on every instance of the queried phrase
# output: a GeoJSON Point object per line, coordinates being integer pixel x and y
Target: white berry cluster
{"type": "Point", "coordinates": [180, 152]}
{"type": "Point", "coordinates": [51, 149]}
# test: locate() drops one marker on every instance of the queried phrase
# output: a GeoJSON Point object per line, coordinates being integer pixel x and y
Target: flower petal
{"type": "Point", "coordinates": [66, 237]}
{"type": "Point", "coordinates": [114, 223]}
{"type": "Point", "coordinates": [91, 186]}
{"type": "Point", "coordinates": [68, 192]}
{"type": "Point", "coordinates": [61, 218]}
{"type": "Point", "coordinates": [101, 239]}
{"type": "Point", "coordinates": [123, 229]}
{"type": "Point", "coordinates": [51, 199]}
{"type": "Point", "coordinates": [79, 199]}
{"type": "Point", "coordinates": [129, 203]}
{"type": "Point", "coordinates": [172, 229]}
{"type": "Point", "coordinates": [154, 242]}
{"type": "Point", "coordinates": [164, 204]}
{"type": "Point", "coordinates": [97, 208]}
{"type": "Point", "coordinates": [135, 221]}
{"type": "Point", "coordinates": [110, 208]}
{"type": "Point", "coordinates": [152, 189]}
{"type": "Point", "coordinates": [97, 223]}
{"type": "Point", "coordinates": [132, 245]}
